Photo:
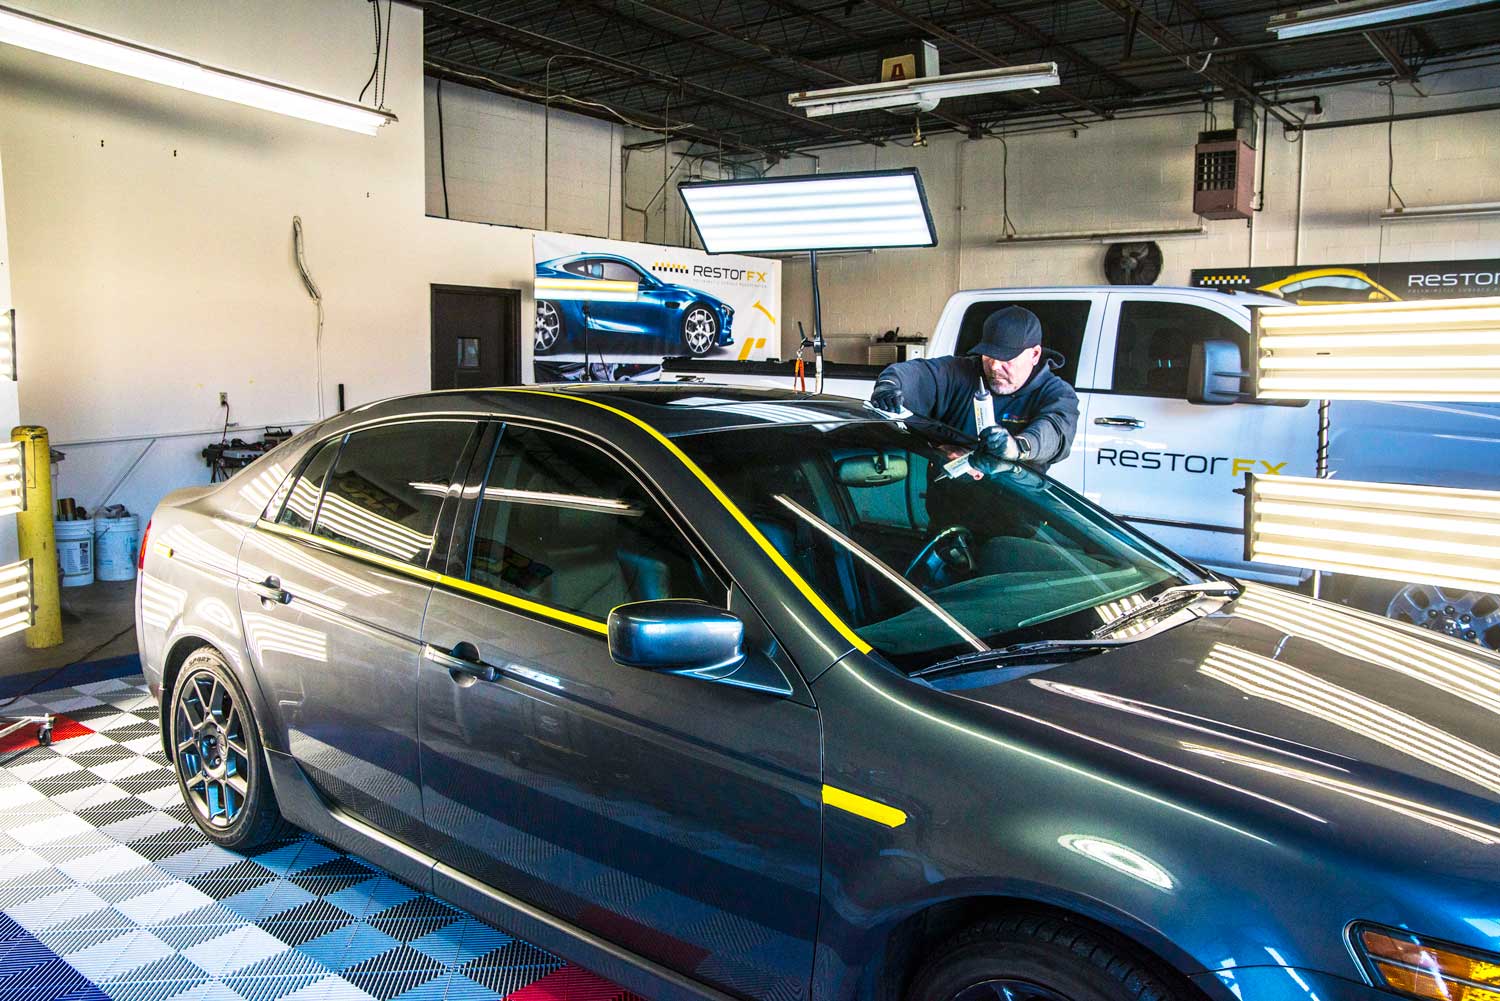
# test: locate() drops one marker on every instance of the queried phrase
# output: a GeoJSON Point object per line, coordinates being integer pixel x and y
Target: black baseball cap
{"type": "Point", "coordinates": [1007, 332]}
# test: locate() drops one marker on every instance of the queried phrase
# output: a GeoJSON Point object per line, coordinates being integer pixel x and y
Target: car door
{"type": "Point", "coordinates": [675, 817]}
{"type": "Point", "coordinates": [332, 590]}
{"type": "Point", "coordinates": [1071, 322]}
{"type": "Point", "coordinates": [1170, 466]}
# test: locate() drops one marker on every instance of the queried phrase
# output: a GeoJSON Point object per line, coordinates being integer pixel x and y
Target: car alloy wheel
{"type": "Point", "coordinates": [1008, 990]}
{"type": "Point", "coordinates": [700, 330]}
{"type": "Point", "coordinates": [1464, 615]}
{"type": "Point", "coordinates": [548, 325]}
{"type": "Point", "coordinates": [213, 758]}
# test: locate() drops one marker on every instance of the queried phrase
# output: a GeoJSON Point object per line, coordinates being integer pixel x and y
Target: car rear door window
{"type": "Point", "coordinates": [384, 492]}
{"type": "Point", "coordinates": [302, 492]}
{"type": "Point", "coordinates": [1064, 322]}
{"type": "Point", "coordinates": [1155, 345]}
{"type": "Point", "coordinates": [564, 524]}
{"type": "Point", "coordinates": [619, 272]}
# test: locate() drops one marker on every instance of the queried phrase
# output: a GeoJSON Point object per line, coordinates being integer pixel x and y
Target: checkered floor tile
{"type": "Point", "coordinates": [107, 890]}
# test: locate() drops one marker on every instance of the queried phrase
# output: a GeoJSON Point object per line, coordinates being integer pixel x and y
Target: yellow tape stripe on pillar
{"type": "Point", "coordinates": [729, 505]}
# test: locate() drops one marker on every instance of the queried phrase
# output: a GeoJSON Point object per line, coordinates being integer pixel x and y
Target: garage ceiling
{"type": "Point", "coordinates": [720, 72]}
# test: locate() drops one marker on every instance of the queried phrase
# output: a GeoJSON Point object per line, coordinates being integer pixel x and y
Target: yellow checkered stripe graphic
{"type": "Point", "coordinates": [672, 266]}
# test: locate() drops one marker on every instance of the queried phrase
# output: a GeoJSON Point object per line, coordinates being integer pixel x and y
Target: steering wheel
{"type": "Point", "coordinates": [951, 548]}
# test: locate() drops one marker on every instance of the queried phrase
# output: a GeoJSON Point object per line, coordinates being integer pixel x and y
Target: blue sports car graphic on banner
{"type": "Point", "coordinates": [612, 311]}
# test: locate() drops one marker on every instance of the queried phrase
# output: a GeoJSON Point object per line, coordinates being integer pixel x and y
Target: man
{"type": "Point", "coordinates": [1035, 411]}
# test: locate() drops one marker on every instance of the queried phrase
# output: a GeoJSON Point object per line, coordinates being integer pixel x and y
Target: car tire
{"type": "Point", "coordinates": [550, 328]}
{"type": "Point", "coordinates": [700, 329]}
{"type": "Point", "coordinates": [1038, 957]}
{"type": "Point", "coordinates": [217, 756]}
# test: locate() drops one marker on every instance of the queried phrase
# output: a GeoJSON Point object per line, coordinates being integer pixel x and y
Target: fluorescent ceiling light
{"type": "Point", "coordinates": [1412, 534]}
{"type": "Point", "coordinates": [1355, 14]}
{"type": "Point", "coordinates": [16, 609]}
{"type": "Point", "coordinates": [1467, 210]}
{"type": "Point", "coordinates": [924, 92]}
{"type": "Point", "coordinates": [593, 289]}
{"type": "Point", "coordinates": [1444, 350]}
{"type": "Point", "coordinates": [848, 211]}
{"type": "Point", "coordinates": [12, 478]}
{"type": "Point", "coordinates": [1107, 236]}
{"type": "Point", "coordinates": [8, 344]}
{"type": "Point", "coordinates": [118, 55]}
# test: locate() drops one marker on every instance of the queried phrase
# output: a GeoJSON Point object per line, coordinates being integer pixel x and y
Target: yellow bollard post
{"type": "Point", "coordinates": [35, 534]}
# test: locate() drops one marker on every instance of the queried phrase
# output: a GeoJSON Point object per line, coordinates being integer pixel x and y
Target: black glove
{"type": "Point", "coordinates": [999, 443]}
{"type": "Point", "coordinates": [888, 397]}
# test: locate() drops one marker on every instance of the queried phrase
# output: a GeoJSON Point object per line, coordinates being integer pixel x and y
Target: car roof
{"type": "Point", "coordinates": [673, 409]}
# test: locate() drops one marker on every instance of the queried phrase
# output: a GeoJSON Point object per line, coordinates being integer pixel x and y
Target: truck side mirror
{"type": "Point", "coordinates": [1214, 374]}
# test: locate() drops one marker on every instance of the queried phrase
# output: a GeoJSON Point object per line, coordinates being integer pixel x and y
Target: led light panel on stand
{"type": "Point", "coordinates": [12, 478]}
{"type": "Point", "coordinates": [1430, 351]}
{"type": "Point", "coordinates": [119, 55]}
{"type": "Point", "coordinates": [1412, 534]}
{"type": "Point", "coordinates": [16, 611]}
{"type": "Point", "coordinates": [849, 211]}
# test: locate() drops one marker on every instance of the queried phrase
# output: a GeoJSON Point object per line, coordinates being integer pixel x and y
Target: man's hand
{"type": "Point", "coordinates": [888, 397]}
{"type": "Point", "coordinates": [999, 443]}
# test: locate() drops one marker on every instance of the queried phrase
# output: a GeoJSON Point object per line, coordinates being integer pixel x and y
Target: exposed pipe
{"type": "Point", "coordinates": [1406, 116]}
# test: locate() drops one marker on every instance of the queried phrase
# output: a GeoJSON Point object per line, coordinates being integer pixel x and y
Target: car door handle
{"type": "Point", "coordinates": [270, 589]}
{"type": "Point", "coordinates": [464, 658]}
{"type": "Point", "coordinates": [1120, 422]}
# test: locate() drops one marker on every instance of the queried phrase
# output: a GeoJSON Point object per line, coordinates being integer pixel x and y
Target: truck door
{"type": "Point", "coordinates": [1168, 466]}
{"type": "Point", "coordinates": [1071, 322]}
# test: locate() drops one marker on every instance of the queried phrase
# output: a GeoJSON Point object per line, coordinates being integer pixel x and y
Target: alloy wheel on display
{"type": "Point", "coordinates": [1008, 990]}
{"type": "Point", "coordinates": [700, 330]}
{"type": "Point", "coordinates": [548, 325]}
{"type": "Point", "coordinates": [1464, 615]}
{"type": "Point", "coordinates": [213, 757]}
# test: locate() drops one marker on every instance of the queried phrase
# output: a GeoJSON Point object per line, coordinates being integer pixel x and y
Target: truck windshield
{"type": "Point", "coordinates": [923, 564]}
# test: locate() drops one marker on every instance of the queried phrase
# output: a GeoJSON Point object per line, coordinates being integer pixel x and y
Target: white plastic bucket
{"type": "Point", "coordinates": [75, 551]}
{"type": "Point", "coordinates": [115, 542]}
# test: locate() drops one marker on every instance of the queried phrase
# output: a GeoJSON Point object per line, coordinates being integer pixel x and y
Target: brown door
{"type": "Point", "coordinates": [475, 337]}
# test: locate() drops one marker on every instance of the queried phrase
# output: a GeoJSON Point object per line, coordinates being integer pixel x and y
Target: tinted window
{"type": "Point", "coordinates": [385, 491]}
{"type": "Point", "coordinates": [1063, 324]}
{"type": "Point", "coordinates": [1155, 345]}
{"type": "Point", "coordinates": [588, 269]}
{"type": "Point", "coordinates": [618, 272]}
{"type": "Point", "coordinates": [564, 524]}
{"type": "Point", "coordinates": [307, 487]}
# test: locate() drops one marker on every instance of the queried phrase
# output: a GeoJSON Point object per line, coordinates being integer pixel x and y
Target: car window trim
{"type": "Point", "coordinates": [469, 510]}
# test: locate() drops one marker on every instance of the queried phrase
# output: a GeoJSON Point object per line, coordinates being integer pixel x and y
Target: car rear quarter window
{"type": "Point", "coordinates": [1064, 322]}
{"type": "Point", "coordinates": [387, 487]}
{"type": "Point", "coordinates": [1155, 345]}
{"type": "Point", "coordinates": [301, 492]}
{"type": "Point", "coordinates": [564, 524]}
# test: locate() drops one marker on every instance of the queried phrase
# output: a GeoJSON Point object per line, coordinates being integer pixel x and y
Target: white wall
{"type": "Point", "coordinates": [10, 409]}
{"type": "Point", "coordinates": [151, 237]}
{"type": "Point", "coordinates": [1137, 174]}
{"type": "Point", "coordinates": [513, 163]}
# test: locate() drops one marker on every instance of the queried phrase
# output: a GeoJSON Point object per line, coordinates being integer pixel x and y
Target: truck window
{"type": "Point", "coordinates": [1155, 344]}
{"type": "Point", "coordinates": [1063, 324]}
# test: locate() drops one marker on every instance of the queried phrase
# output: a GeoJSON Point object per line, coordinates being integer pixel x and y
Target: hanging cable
{"type": "Point", "coordinates": [442, 152]}
{"type": "Point", "coordinates": [1390, 148]}
{"type": "Point", "coordinates": [1007, 228]}
{"type": "Point", "coordinates": [375, 6]}
{"type": "Point", "coordinates": [317, 297]}
{"type": "Point", "coordinates": [385, 70]}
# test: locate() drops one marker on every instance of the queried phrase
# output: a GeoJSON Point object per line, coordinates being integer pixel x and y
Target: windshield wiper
{"type": "Point", "coordinates": [1181, 594]}
{"type": "Point", "coordinates": [1016, 651]}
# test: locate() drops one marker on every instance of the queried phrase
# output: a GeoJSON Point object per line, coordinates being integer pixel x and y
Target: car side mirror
{"type": "Point", "coordinates": [1214, 374]}
{"type": "Point", "coordinates": [677, 636]}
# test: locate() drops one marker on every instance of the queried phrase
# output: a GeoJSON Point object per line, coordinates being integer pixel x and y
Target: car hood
{"type": "Point", "coordinates": [1285, 710]}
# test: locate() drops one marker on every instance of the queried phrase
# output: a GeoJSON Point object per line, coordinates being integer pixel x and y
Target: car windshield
{"type": "Point", "coordinates": [923, 563]}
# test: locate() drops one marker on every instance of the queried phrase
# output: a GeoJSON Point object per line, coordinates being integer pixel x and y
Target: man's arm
{"type": "Point", "coordinates": [1049, 436]}
{"type": "Point", "coordinates": [915, 381]}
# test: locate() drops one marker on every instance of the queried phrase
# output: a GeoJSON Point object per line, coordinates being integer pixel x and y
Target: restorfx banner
{"type": "Point", "coordinates": [610, 311]}
{"type": "Point", "coordinates": [1334, 283]}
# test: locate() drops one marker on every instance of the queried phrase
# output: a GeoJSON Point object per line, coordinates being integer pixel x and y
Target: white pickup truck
{"type": "Point", "coordinates": [1150, 451]}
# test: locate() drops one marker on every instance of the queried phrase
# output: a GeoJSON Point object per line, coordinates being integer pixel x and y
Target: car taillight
{"type": "Point", "coordinates": [140, 561]}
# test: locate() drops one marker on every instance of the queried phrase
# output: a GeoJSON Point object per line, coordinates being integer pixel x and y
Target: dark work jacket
{"type": "Point", "coordinates": [1044, 411]}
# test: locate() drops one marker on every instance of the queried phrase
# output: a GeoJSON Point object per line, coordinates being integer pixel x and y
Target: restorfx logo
{"type": "Point", "coordinates": [1187, 462]}
{"type": "Point", "coordinates": [712, 271]}
{"type": "Point", "coordinates": [1456, 279]}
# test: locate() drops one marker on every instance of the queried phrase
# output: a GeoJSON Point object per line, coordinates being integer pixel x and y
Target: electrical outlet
{"type": "Point", "coordinates": [223, 399]}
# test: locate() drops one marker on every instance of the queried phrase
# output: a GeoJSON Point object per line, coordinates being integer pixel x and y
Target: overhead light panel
{"type": "Point", "coordinates": [924, 92]}
{"type": "Point", "coordinates": [12, 478]}
{"type": "Point", "coordinates": [588, 289]}
{"type": "Point", "coordinates": [846, 211]}
{"type": "Point", "coordinates": [118, 55]}
{"type": "Point", "coordinates": [1412, 534]}
{"type": "Point", "coordinates": [1432, 350]}
{"type": "Point", "coordinates": [1356, 14]}
{"type": "Point", "coordinates": [8, 344]}
{"type": "Point", "coordinates": [16, 608]}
